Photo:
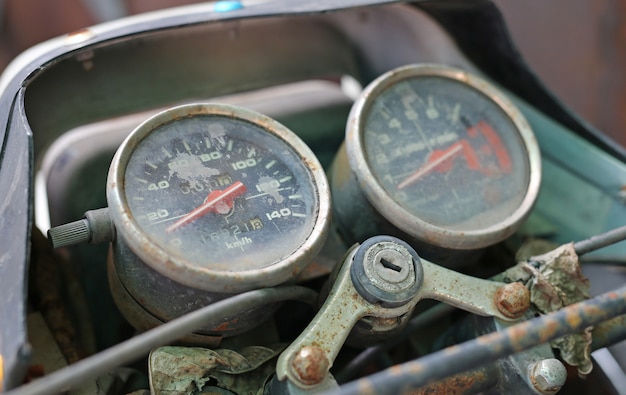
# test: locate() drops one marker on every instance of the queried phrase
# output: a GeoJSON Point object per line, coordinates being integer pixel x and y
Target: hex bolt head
{"type": "Point", "coordinates": [310, 365]}
{"type": "Point", "coordinates": [548, 375]}
{"type": "Point", "coordinates": [512, 300]}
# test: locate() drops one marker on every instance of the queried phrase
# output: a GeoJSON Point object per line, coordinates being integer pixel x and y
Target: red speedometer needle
{"type": "Point", "coordinates": [217, 202]}
{"type": "Point", "coordinates": [432, 163]}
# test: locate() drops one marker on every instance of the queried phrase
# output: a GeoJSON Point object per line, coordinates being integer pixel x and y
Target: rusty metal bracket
{"type": "Point", "coordinates": [487, 348]}
{"type": "Point", "coordinates": [367, 285]}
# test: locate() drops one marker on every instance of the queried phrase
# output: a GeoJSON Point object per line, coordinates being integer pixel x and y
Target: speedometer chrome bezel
{"type": "Point", "coordinates": [400, 217]}
{"type": "Point", "coordinates": [184, 271]}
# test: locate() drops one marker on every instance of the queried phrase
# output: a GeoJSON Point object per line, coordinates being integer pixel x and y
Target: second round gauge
{"type": "Point", "coordinates": [444, 156]}
{"type": "Point", "coordinates": [223, 197]}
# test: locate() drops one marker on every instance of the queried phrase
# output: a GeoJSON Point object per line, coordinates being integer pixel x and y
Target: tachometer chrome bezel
{"type": "Point", "coordinates": [400, 217]}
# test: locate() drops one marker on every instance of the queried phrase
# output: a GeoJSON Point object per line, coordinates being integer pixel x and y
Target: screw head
{"type": "Point", "coordinates": [310, 365]}
{"type": "Point", "coordinates": [548, 375]}
{"type": "Point", "coordinates": [512, 300]}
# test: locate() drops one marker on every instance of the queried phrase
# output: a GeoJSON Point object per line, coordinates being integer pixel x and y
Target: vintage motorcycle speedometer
{"type": "Point", "coordinates": [441, 155]}
{"type": "Point", "coordinates": [218, 198]}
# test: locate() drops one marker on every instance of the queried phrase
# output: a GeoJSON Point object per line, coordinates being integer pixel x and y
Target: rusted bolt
{"type": "Point", "coordinates": [512, 300]}
{"type": "Point", "coordinates": [548, 375]}
{"type": "Point", "coordinates": [310, 365]}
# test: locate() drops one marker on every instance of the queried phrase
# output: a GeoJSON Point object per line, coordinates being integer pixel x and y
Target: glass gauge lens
{"type": "Point", "coordinates": [214, 190]}
{"type": "Point", "coordinates": [446, 152]}
{"type": "Point", "coordinates": [218, 193]}
{"type": "Point", "coordinates": [444, 155]}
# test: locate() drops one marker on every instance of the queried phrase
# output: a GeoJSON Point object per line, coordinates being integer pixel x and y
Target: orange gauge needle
{"type": "Point", "coordinates": [493, 141]}
{"type": "Point", "coordinates": [217, 202]}
{"type": "Point", "coordinates": [432, 163]}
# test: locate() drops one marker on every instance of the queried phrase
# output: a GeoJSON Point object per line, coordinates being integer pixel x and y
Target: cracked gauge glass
{"type": "Point", "coordinates": [219, 198]}
{"type": "Point", "coordinates": [445, 156]}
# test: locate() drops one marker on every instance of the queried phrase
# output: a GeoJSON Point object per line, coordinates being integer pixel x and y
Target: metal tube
{"type": "Point", "coordinates": [602, 240]}
{"type": "Point", "coordinates": [482, 350]}
{"type": "Point", "coordinates": [140, 345]}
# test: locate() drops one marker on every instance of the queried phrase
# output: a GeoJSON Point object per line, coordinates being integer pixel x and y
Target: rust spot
{"type": "Point", "coordinates": [573, 319]}
{"type": "Point", "coordinates": [459, 384]}
{"type": "Point", "coordinates": [224, 326]}
{"type": "Point", "coordinates": [517, 333]}
{"type": "Point", "coordinates": [550, 328]}
{"type": "Point", "coordinates": [512, 300]}
{"type": "Point", "coordinates": [310, 365]}
{"type": "Point", "coordinates": [453, 349]}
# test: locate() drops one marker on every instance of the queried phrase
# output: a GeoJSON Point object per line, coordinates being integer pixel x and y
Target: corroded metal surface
{"type": "Point", "coordinates": [474, 381]}
{"type": "Point", "coordinates": [555, 279]}
{"type": "Point", "coordinates": [310, 365]}
{"type": "Point", "coordinates": [147, 299]}
{"type": "Point", "coordinates": [465, 292]}
{"type": "Point", "coordinates": [331, 326]}
{"type": "Point", "coordinates": [513, 300]}
{"type": "Point", "coordinates": [184, 370]}
{"type": "Point", "coordinates": [127, 351]}
{"type": "Point", "coordinates": [346, 305]}
{"type": "Point", "coordinates": [487, 348]}
{"type": "Point", "coordinates": [57, 293]}
{"type": "Point", "coordinates": [548, 376]}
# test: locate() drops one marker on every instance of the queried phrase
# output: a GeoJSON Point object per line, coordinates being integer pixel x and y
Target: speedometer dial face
{"type": "Point", "coordinates": [222, 196]}
{"type": "Point", "coordinates": [220, 192]}
{"type": "Point", "coordinates": [448, 151]}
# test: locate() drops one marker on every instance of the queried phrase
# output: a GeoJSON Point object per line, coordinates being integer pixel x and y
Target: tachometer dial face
{"type": "Point", "coordinates": [448, 152]}
{"type": "Point", "coordinates": [445, 152]}
{"type": "Point", "coordinates": [215, 194]}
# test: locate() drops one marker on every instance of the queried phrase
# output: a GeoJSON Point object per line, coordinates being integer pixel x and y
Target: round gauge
{"type": "Point", "coordinates": [219, 198]}
{"type": "Point", "coordinates": [443, 156]}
